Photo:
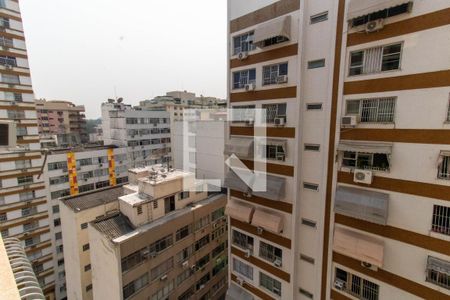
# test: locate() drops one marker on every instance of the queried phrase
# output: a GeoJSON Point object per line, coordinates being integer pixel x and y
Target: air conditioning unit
{"type": "Point", "coordinates": [242, 55]}
{"type": "Point", "coordinates": [8, 129]}
{"type": "Point", "coordinates": [277, 263]}
{"type": "Point", "coordinates": [250, 87]}
{"type": "Point", "coordinates": [281, 157]}
{"type": "Point", "coordinates": [282, 79]}
{"type": "Point", "coordinates": [8, 67]}
{"type": "Point", "coordinates": [164, 277]}
{"type": "Point", "coordinates": [276, 290]}
{"type": "Point", "coordinates": [339, 284]}
{"type": "Point", "coordinates": [216, 225]}
{"type": "Point", "coordinates": [249, 122]}
{"type": "Point", "coordinates": [362, 176]}
{"type": "Point", "coordinates": [369, 266]}
{"type": "Point", "coordinates": [279, 121]}
{"type": "Point", "coordinates": [145, 253]}
{"type": "Point", "coordinates": [376, 25]}
{"type": "Point", "coordinates": [185, 264]}
{"type": "Point", "coordinates": [240, 281]}
{"type": "Point", "coordinates": [193, 268]}
{"type": "Point", "coordinates": [201, 287]}
{"type": "Point", "coordinates": [248, 253]}
{"type": "Point", "coordinates": [348, 121]}
{"type": "Point", "coordinates": [260, 230]}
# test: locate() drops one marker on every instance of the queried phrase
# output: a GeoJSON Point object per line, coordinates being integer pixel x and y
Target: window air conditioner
{"type": "Point", "coordinates": [249, 122]}
{"type": "Point", "coordinates": [250, 87]}
{"type": "Point", "coordinates": [282, 79]}
{"type": "Point", "coordinates": [277, 263]}
{"type": "Point", "coordinates": [240, 281]}
{"type": "Point", "coordinates": [281, 157]}
{"type": "Point", "coordinates": [279, 121]}
{"type": "Point", "coordinates": [164, 277]}
{"type": "Point", "coordinates": [369, 266]}
{"type": "Point", "coordinates": [348, 121]}
{"type": "Point", "coordinates": [260, 230]}
{"type": "Point", "coordinates": [339, 284]}
{"type": "Point", "coordinates": [185, 264]}
{"type": "Point", "coordinates": [242, 55]}
{"type": "Point", "coordinates": [363, 176]}
{"type": "Point", "coordinates": [248, 253]}
{"type": "Point", "coordinates": [8, 134]}
{"type": "Point", "coordinates": [376, 25]}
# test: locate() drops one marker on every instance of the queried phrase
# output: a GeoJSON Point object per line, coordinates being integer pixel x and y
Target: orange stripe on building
{"type": "Point", "coordinates": [72, 168]}
{"type": "Point", "coordinates": [112, 167]}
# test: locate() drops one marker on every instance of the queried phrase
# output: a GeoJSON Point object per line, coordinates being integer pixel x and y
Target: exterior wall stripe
{"type": "Point", "coordinates": [277, 205]}
{"type": "Point", "coordinates": [269, 94]}
{"type": "Point", "coordinates": [281, 132]}
{"type": "Point", "coordinates": [416, 136]}
{"type": "Point", "coordinates": [272, 168]}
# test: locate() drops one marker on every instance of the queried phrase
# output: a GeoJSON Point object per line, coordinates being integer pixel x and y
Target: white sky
{"type": "Point", "coordinates": [79, 50]}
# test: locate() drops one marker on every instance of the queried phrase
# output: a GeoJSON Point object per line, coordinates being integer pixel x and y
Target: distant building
{"type": "Point", "coordinates": [61, 117]}
{"type": "Point", "coordinates": [97, 135]}
{"type": "Point", "coordinates": [145, 133]}
{"type": "Point", "coordinates": [74, 171]}
{"type": "Point", "coordinates": [159, 237]}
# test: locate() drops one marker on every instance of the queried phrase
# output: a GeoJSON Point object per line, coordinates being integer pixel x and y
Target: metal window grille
{"type": "Point", "coordinates": [269, 252]}
{"type": "Point", "coordinates": [377, 110]}
{"type": "Point", "coordinates": [444, 168]}
{"type": "Point", "coordinates": [242, 240]}
{"type": "Point", "coordinates": [270, 74]}
{"type": "Point", "coordinates": [358, 287]}
{"type": "Point", "coordinates": [441, 219]}
{"type": "Point", "coordinates": [269, 283]}
{"type": "Point", "coordinates": [242, 268]}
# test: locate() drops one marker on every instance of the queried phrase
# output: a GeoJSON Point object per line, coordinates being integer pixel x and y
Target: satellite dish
{"type": "Point", "coordinates": [120, 100]}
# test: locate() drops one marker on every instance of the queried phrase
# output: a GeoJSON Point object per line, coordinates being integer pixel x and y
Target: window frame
{"type": "Point", "coordinates": [243, 77]}
{"type": "Point", "coordinates": [248, 42]}
{"type": "Point", "coordinates": [273, 73]}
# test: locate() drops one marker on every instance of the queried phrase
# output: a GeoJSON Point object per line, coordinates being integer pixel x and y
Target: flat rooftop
{"type": "Point", "coordinates": [93, 198]}
{"type": "Point", "coordinates": [113, 226]}
{"type": "Point", "coordinates": [85, 148]}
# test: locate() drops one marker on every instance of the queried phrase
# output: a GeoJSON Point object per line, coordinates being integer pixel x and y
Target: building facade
{"type": "Point", "coordinates": [74, 171]}
{"type": "Point", "coordinates": [358, 173]}
{"type": "Point", "coordinates": [145, 133]}
{"type": "Point", "coordinates": [57, 117]}
{"type": "Point", "coordinates": [23, 201]}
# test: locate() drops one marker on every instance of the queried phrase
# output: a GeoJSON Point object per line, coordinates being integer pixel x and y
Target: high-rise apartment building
{"type": "Point", "coordinates": [158, 237]}
{"type": "Point", "coordinates": [76, 171]}
{"type": "Point", "coordinates": [145, 133]}
{"type": "Point", "coordinates": [60, 118]}
{"type": "Point", "coordinates": [23, 201]}
{"type": "Point", "coordinates": [357, 164]}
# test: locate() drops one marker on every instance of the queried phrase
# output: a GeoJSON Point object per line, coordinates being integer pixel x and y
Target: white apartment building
{"type": "Point", "coordinates": [145, 133]}
{"type": "Point", "coordinates": [23, 201]}
{"type": "Point", "coordinates": [73, 171]}
{"type": "Point", "coordinates": [357, 162]}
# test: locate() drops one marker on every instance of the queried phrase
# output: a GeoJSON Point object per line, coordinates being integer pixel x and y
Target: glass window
{"type": "Point", "coordinates": [270, 284]}
{"type": "Point", "coordinates": [314, 64]}
{"type": "Point", "coordinates": [272, 73]}
{"type": "Point", "coordinates": [243, 43]}
{"type": "Point", "coordinates": [242, 268]}
{"type": "Point", "coordinates": [319, 18]}
{"type": "Point", "coordinates": [241, 78]}
{"type": "Point", "coordinates": [273, 111]}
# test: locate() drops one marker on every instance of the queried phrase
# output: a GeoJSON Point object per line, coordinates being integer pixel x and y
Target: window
{"type": "Point", "coordinates": [13, 114]}
{"type": "Point", "coordinates": [183, 276]}
{"type": "Point", "coordinates": [202, 222]}
{"type": "Point", "coordinates": [375, 60]}
{"type": "Point", "coordinates": [356, 286]}
{"type": "Point", "coordinates": [272, 73]}
{"type": "Point", "coordinates": [184, 195]}
{"type": "Point", "coordinates": [273, 111]}
{"type": "Point", "coordinates": [201, 242]}
{"type": "Point", "coordinates": [3, 217]}
{"type": "Point", "coordinates": [201, 283]}
{"type": "Point", "coordinates": [184, 254]}
{"type": "Point", "coordinates": [374, 110]}
{"type": "Point", "coordinates": [275, 152]}
{"type": "Point", "coordinates": [27, 196]}
{"type": "Point", "coordinates": [312, 147]}
{"type": "Point", "coordinates": [57, 165]}
{"type": "Point", "coordinates": [87, 267]}
{"type": "Point", "coordinates": [57, 222]}
{"type": "Point", "coordinates": [30, 226]}
{"type": "Point", "coordinates": [24, 180]}
{"type": "Point", "coordinates": [29, 211]}
{"type": "Point", "coordinates": [241, 78]}
{"type": "Point", "coordinates": [7, 60]}
{"type": "Point", "coordinates": [199, 264]}
{"type": "Point", "coordinates": [243, 43]}
{"type": "Point", "coordinates": [381, 14]}
{"type": "Point", "coordinates": [161, 269]}
{"type": "Point", "coordinates": [219, 249]}
{"type": "Point", "coordinates": [319, 18]}
{"type": "Point", "coordinates": [366, 161]}
{"type": "Point", "coordinates": [183, 232]}
{"type": "Point", "coordinates": [55, 209]}
{"type": "Point", "coordinates": [139, 209]}
{"type": "Point", "coordinates": [58, 235]}
{"type": "Point", "coordinates": [438, 272]}
{"type": "Point", "coordinates": [85, 247]}
{"type": "Point", "coordinates": [311, 186]}
{"type": "Point", "coordinates": [59, 179]}
{"type": "Point", "coordinates": [10, 79]}
{"type": "Point", "coordinates": [23, 164]}
{"type": "Point", "coordinates": [134, 286]}
{"type": "Point", "coordinates": [242, 240]}
{"type": "Point", "coordinates": [21, 131]}
{"type": "Point", "coordinates": [318, 63]}
{"type": "Point", "coordinates": [309, 223]}
{"type": "Point", "coordinates": [161, 244]}
{"type": "Point", "coordinates": [444, 168]}
{"type": "Point", "coordinates": [84, 225]}
{"type": "Point", "coordinates": [84, 162]}
{"type": "Point", "coordinates": [242, 268]}
{"type": "Point", "coordinates": [269, 252]}
{"type": "Point", "coordinates": [441, 219]}
{"type": "Point", "coordinates": [217, 214]}
{"type": "Point", "coordinates": [243, 113]}
{"type": "Point", "coordinates": [306, 293]}
{"type": "Point", "coordinates": [307, 258]}
{"type": "Point", "coordinates": [61, 262]}
{"type": "Point", "coordinates": [314, 106]}
{"type": "Point", "coordinates": [5, 233]}
{"type": "Point", "coordinates": [86, 188]}
{"type": "Point", "coordinates": [270, 284]}
{"type": "Point", "coordinates": [274, 41]}
{"type": "Point", "coordinates": [164, 292]}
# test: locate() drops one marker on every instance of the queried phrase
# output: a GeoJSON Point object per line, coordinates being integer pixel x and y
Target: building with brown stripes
{"type": "Point", "coordinates": [23, 201]}
{"type": "Point", "coordinates": [359, 164]}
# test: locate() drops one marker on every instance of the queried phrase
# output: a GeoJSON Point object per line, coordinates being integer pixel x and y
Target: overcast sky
{"type": "Point", "coordinates": [80, 50]}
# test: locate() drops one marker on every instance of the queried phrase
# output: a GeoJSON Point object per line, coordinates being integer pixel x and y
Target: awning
{"type": "Point", "coordinates": [232, 181]}
{"type": "Point", "coordinates": [235, 292]}
{"type": "Point", "coordinates": [358, 8]}
{"type": "Point", "coordinates": [362, 204]}
{"type": "Point", "coordinates": [239, 212]}
{"type": "Point", "coordinates": [368, 147]}
{"type": "Point", "coordinates": [438, 265]}
{"type": "Point", "coordinates": [241, 147]}
{"type": "Point", "coordinates": [275, 188]}
{"type": "Point", "coordinates": [358, 246]}
{"type": "Point", "coordinates": [281, 27]}
{"type": "Point", "coordinates": [445, 153]}
{"type": "Point", "coordinates": [267, 221]}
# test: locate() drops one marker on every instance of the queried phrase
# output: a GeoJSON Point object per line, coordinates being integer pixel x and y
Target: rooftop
{"type": "Point", "coordinates": [81, 148]}
{"type": "Point", "coordinates": [94, 198]}
{"type": "Point", "coordinates": [113, 226]}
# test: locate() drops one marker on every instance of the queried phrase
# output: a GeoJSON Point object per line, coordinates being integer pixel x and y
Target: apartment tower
{"type": "Point", "coordinates": [357, 163]}
{"type": "Point", "coordinates": [23, 201]}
